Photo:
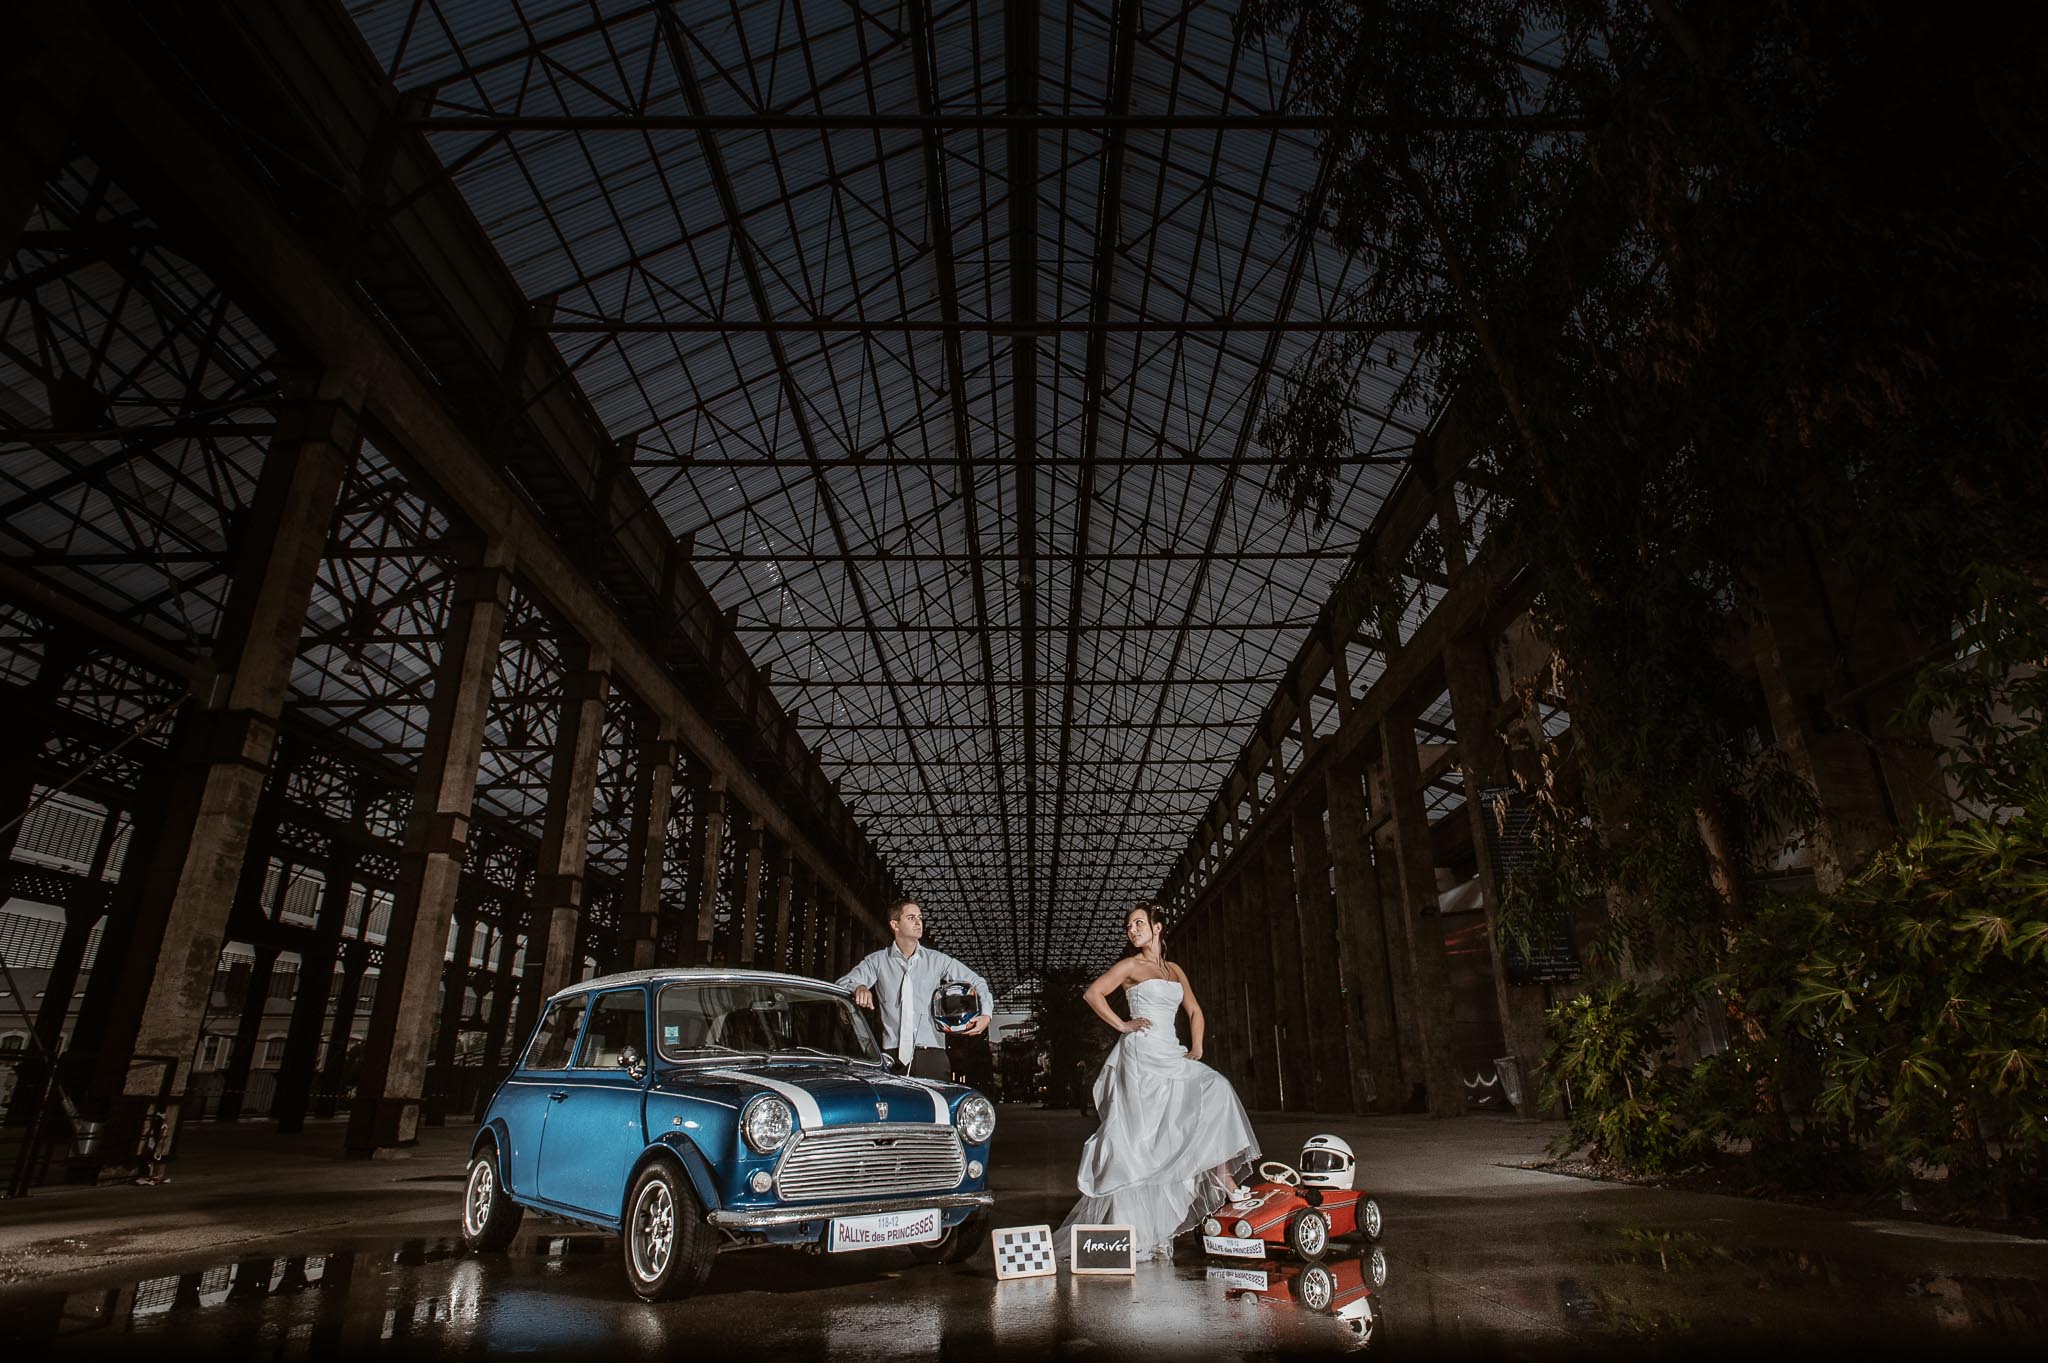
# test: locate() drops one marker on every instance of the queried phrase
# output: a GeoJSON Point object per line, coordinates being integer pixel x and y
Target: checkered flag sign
{"type": "Point", "coordinates": [1024, 1252]}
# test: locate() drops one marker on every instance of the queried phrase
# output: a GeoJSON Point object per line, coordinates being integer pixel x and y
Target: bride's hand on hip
{"type": "Point", "coordinates": [1136, 1025]}
{"type": "Point", "coordinates": [1194, 1052]}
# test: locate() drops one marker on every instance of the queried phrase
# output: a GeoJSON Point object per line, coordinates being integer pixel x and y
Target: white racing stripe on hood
{"type": "Point", "coordinates": [940, 1113]}
{"type": "Point", "coordinates": [806, 1107]}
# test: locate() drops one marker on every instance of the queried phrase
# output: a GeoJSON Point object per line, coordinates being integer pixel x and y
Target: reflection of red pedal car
{"type": "Point", "coordinates": [1344, 1288]}
{"type": "Point", "coordinates": [1300, 1209]}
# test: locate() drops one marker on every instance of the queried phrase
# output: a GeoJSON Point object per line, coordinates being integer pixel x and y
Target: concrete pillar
{"type": "Point", "coordinates": [295, 1077]}
{"type": "Point", "coordinates": [504, 990]}
{"type": "Point", "coordinates": [1330, 1035]}
{"type": "Point", "coordinates": [454, 998]}
{"type": "Point", "coordinates": [242, 1056]}
{"type": "Point", "coordinates": [710, 839]}
{"type": "Point", "coordinates": [355, 959]}
{"type": "Point", "coordinates": [1362, 942]}
{"type": "Point", "coordinates": [385, 1115]}
{"type": "Point", "coordinates": [182, 908]}
{"type": "Point", "coordinates": [647, 848]}
{"type": "Point", "coordinates": [565, 832]}
{"type": "Point", "coordinates": [1255, 979]}
{"type": "Point", "coordinates": [1484, 761]}
{"type": "Point", "coordinates": [1232, 960]}
{"type": "Point", "coordinates": [1416, 902]}
{"type": "Point", "coordinates": [813, 905]}
{"type": "Point", "coordinates": [785, 896]}
{"type": "Point", "coordinates": [750, 889]}
{"type": "Point", "coordinates": [1289, 990]}
{"type": "Point", "coordinates": [846, 948]}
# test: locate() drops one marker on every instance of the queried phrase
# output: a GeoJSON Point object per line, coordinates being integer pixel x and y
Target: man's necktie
{"type": "Point", "coordinates": [906, 1026]}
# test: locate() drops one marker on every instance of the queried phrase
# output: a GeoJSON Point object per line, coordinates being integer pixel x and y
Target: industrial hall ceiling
{"type": "Point", "coordinates": [937, 336]}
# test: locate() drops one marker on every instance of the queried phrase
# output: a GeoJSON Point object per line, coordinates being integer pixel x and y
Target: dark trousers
{"type": "Point", "coordinates": [930, 1062]}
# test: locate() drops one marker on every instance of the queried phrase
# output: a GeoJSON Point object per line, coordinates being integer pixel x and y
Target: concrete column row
{"type": "Point", "coordinates": [197, 838]}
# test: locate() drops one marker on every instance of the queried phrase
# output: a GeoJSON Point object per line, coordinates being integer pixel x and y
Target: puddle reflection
{"type": "Point", "coordinates": [1349, 1291]}
{"type": "Point", "coordinates": [559, 1293]}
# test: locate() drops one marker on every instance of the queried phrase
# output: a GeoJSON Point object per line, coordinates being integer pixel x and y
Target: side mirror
{"type": "Point", "coordinates": [631, 1063]}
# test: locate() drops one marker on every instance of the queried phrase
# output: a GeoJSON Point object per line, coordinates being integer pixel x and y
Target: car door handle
{"type": "Point", "coordinates": [558, 1095]}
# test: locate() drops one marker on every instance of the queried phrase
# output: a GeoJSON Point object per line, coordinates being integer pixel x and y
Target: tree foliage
{"type": "Point", "coordinates": [1716, 298]}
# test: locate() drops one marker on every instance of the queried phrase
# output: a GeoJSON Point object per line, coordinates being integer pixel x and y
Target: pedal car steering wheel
{"type": "Point", "coordinates": [1273, 1171]}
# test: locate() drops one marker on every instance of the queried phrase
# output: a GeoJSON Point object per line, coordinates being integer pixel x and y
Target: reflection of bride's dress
{"type": "Point", "coordinates": [1167, 1121]}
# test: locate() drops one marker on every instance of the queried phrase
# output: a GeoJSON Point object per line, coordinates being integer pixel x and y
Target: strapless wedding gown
{"type": "Point", "coordinates": [1167, 1122]}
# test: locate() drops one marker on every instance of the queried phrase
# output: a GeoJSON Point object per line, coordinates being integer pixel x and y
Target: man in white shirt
{"type": "Point", "coordinates": [899, 980]}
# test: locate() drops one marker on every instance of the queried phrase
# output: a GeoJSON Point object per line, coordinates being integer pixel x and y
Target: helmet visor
{"type": "Point", "coordinates": [1323, 1162]}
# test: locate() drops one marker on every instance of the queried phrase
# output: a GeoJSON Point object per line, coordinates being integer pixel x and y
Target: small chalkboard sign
{"type": "Point", "coordinates": [1102, 1249]}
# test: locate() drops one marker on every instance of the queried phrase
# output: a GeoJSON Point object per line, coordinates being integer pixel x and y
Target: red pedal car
{"type": "Point", "coordinates": [1302, 1209]}
{"type": "Point", "coordinates": [1344, 1288]}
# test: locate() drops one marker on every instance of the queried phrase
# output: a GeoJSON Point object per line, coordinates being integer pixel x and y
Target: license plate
{"type": "Point", "coordinates": [883, 1229]}
{"type": "Point", "coordinates": [1253, 1278]}
{"type": "Point", "coordinates": [1232, 1245]}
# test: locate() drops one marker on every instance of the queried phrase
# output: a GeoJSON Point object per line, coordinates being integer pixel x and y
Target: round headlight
{"type": "Point", "coordinates": [767, 1123]}
{"type": "Point", "coordinates": [1212, 1227]}
{"type": "Point", "coordinates": [976, 1119]}
{"type": "Point", "coordinates": [1242, 1230]}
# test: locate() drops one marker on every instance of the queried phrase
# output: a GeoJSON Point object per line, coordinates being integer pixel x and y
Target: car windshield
{"type": "Point", "coordinates": [699, 1019]}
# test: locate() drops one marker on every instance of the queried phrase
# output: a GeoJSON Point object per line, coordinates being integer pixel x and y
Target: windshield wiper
{"type": "Point", "coordinates": [815, 1050]}
{"type": "Point", "coordinates": [719, 1047]}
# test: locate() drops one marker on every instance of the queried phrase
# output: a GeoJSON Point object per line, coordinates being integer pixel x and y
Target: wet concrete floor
{"type": "Point", "coordinates": [1478, 1257]}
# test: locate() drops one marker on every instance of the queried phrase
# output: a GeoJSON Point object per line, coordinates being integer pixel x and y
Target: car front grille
{"type": "Point", "coordinates": [869, 1161]}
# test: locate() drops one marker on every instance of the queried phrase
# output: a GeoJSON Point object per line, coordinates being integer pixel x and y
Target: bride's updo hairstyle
{"type": "Point", "coordinates": [1153, 914]}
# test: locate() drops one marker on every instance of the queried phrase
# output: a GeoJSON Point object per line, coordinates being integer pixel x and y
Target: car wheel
{"type": "Point", "coordinates": [1309, 1234]}
{"type": "Point", "coordinates": [1369, 1219]}
{"type": "Point", "coordinates": [1376, 1267]}
{"type": "Point", "coordinates": [489, 1218]}
{"type": "Point", "coordinates": [957, 1245]}
{"type": "Point", "coordinates": [1315, 1287]}
{"type": "Point", "coordinates": [668, 1246]}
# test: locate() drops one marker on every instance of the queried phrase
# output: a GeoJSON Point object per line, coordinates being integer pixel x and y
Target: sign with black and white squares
{"type": "Point", "coordinates": [1024, 1252]}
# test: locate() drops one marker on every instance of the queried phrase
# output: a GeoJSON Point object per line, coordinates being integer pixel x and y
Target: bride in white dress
{"type": "Point", "coordinates": [1173, 1136]}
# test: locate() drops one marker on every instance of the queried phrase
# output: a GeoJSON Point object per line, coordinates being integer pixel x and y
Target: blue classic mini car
{"type": "Point", "coordinates": [694, 1110]}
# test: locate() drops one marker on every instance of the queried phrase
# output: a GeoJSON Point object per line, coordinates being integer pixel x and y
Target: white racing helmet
{"type": "Point", "coordinates": [955, 1006]}
{"type": "Point", "coordinates": [1327, 1162]}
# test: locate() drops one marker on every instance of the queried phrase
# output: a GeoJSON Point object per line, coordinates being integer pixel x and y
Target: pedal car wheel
{"type": "Point", "coordinates": [957, 1245]}
{"type": "Point", "coordinates": [1308, 1235]}
{"type": "Point", "coordinates": [489, 1218]}
{"type": "Point", "coordinates": [1369, 1219]}
{"type": "Point", "coordinates": [668, 1246]}
{"type": "Point", "coordinates": [1376, 1267]}
{"type": "Point", "coordinates": [1315, 1287]}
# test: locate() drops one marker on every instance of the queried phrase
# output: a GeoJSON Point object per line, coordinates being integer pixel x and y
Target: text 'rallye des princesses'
{"type": "Point", "coordinates": [694, 1110]}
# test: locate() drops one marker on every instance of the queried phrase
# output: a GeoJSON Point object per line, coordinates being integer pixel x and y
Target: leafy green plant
{"type": "Point", "coordinates": [1609, 1068]}
{"type": "Point", "coordinates": [1726, 304]}
{"type": "Point", "coordinates": [1925, 994]}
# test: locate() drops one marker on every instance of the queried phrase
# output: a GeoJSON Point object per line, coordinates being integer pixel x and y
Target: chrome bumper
{"type": "Point", "coordinates": [760, 1218]}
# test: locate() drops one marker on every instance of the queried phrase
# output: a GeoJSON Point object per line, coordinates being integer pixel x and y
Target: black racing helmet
{"type": "Point", "coordinates": [954, 1006]}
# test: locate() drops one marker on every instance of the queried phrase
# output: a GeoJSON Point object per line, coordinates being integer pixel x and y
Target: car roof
{"type": "Point", "coordinates": [682, 973]}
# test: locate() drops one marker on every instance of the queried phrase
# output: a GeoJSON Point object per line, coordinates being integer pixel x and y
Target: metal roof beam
{"type": "Point", "coordinates": [1014, 120]}
{"type": "Point", "coordinates": [670, 28]}
{"type": "Point", "coordinates": [1020, 88]}
{"type": "Point", "coordinates": [937, 201]}
{"type": "Point", "coordinates": [1123, 23]}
